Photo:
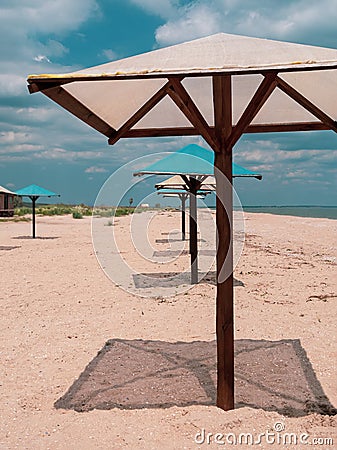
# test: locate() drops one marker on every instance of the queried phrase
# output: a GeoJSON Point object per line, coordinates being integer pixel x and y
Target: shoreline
{"type": "Point", "coordinates": [314, 212]}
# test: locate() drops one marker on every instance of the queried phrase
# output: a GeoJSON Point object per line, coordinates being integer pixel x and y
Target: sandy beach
{"type": "Point", "coordinates": [88, 365]}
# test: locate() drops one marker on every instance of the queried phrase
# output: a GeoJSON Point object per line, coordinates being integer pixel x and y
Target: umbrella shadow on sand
{"type": "Point", "coordinates": [173, 279]}
{"type": "Point", "coordinates": [135, 374]}
{"type": "Point", "coordinates": [9, 247]}
{"type": "Point", "coordinates": [36, 237]}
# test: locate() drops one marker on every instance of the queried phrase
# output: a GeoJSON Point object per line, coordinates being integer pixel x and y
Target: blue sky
{"type": "Point", "coordinates": [41, 143]}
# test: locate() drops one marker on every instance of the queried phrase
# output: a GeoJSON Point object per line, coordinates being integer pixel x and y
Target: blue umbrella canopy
{"type": "Point", "coordinates": [191, 160]}
{"type": "Point", "coordinates": [35, 191]}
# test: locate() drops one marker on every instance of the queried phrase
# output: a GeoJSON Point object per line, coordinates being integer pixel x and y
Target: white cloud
{"type": "Point", "coordinates": [12, 84]}
{"type": "Point", "coordinates": [272, 155]}
{"type": "Point", "coordinates": [278, 164]}
{"type": "Point", "coordinates": [52, 48]}
{"type": "Point", "coordinates": [298, 174]}
{"type": "Point", "coordinates": [290, 20]}
{"type": "Point", "coordinates": [95, 169]}
{"type": "Point", "coordinates": [258, 168]}
{"type": "Point", "coordinates": [9, 151]}
{"type": "Point", "coordinates": [24, 26]}
{"type": "Point", "coordinates": [13, 137]}
{"type": "Point", "coordinates": [66, 155]}
{"type": "Point", "coordinates": [197, 20]}
{"type": "Point", "coordinates": [109, 54]}
{"type": "Point", "coordinates": [41, 58]}
{"type": "Point", "coordinates": [46, 16]}
{"type": "Point", "coordinates": [162, 8]}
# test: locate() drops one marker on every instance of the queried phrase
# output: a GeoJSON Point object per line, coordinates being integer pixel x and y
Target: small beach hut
{"type": "Point", "coordinates": [6, 202]}
{"type": "Point", "coordinates": [219, 87]}
{"type": "Point", "coordinates": [34, 192]}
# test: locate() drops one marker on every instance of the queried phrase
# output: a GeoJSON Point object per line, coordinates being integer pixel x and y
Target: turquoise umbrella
{"type": "Point", "coordinates": [192, 160]}
{"type": "Point", "coordinates": [34, 192]}
{"type": "Point", "coordinates": [194, 164]}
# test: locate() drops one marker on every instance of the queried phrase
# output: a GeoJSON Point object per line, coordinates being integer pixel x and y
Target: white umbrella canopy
{"type": "Point", "coordinates": [176, 182]}
{"type": "Point", "coordinates": [121, 83]}
{"type": "Point", "coordinates": [218, 87]}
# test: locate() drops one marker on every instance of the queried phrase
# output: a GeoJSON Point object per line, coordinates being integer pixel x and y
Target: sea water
{"type": "Point", "coordinates": [327, 212]}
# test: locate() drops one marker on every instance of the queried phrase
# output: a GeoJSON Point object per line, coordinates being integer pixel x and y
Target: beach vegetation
{"type": "Point", "coordinates": [76, 210]}
{"type": "Point", "coordinates": [77, 215]}
{"type": "Point", "coordinates": [54, 210]}
{"type": "Point", "coordinates": [22, 211]}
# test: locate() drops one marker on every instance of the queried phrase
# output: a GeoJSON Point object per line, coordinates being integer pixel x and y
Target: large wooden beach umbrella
{"type": "Point", "coordinates": [194, 164]}
{"type": "Point", "coordinates": [34, 192]}
{"type": "Point", "coordinates": [219, 87]}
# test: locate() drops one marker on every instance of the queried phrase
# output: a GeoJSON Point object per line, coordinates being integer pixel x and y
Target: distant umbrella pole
{"type": "Point", "coordinates": [33, 199]}
{"type": "Point", "coordinates": [193, 187]}
{"type": "Point", "coordinates": [183, 198]}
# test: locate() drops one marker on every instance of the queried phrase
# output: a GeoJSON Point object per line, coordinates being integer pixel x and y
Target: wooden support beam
{"type": "Point", "coordinates": [185, 103]}
{"type": "Point", "coordinates": [71, 104]}
{"type": "Point", "coordinates": [37, 87]}
{"type": "Point", "coordinates": [307, 104]}
{"type": "Point", "coordinates": [259, 98]}
{"type": "Point", "coordinates": [286, 127]}
{"type": "Point", "coordinates": [222, 99]}
{"type": "Point", "coordinates": [153, 101]}
{"type": "Point", "coordinates": [155, 132]}
{"type": "Point", "coordinates": [256, 128]}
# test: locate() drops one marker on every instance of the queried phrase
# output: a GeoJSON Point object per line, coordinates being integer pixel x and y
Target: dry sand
{"type": "Point", "coordinates": [87, 365]}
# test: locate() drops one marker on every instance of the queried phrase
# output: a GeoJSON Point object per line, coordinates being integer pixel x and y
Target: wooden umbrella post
{"type": "Point", "coordinates": [193, 230]}
{"type": "Point", "coordinates": [193, 186]}
{"type": "Point", "coordinates": [222, 94]}
{"type": "Point", "coordinates": [225, 297]}
{"type": "Point", "coordinates": [33, 199]}
{"type": "Point", "coordinates": [183, 216]}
